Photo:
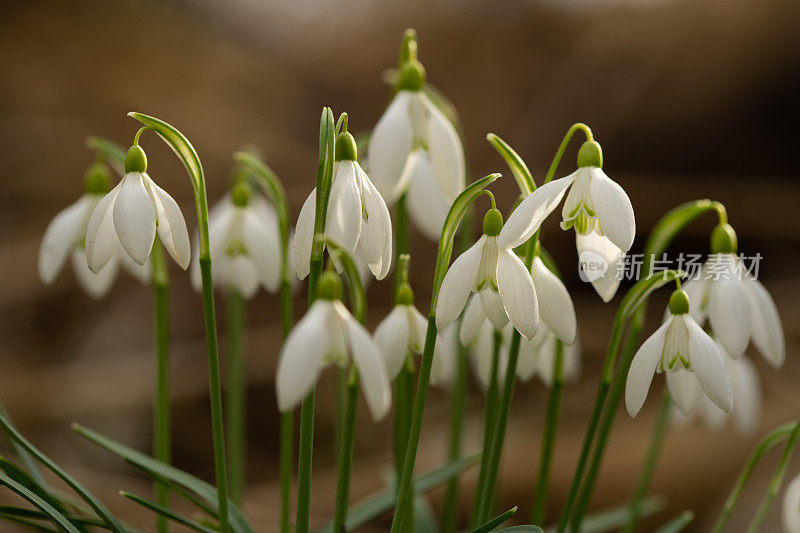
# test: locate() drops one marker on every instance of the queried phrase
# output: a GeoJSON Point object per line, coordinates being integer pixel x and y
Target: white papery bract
{"type": "Point", "coordinates": [245, 246]}
{"type": "Point", "coordinates": [65, 237]}
{"type": "Point", "coordinates": [415, 149]}
{"type": "Point", "coordinates": [791, 507]}
{"type": "Point", "coordinates": [129, 216]}
{"type": "Point", "coordinates": [596, 207]}
{"type": "Point", "coordinates": [327, 335]}
{"type": "Point", "coordinates": [738, 308]}
{"type": "Point", "coordinates": [357, 218]}
{"type": "Point", "coordinates": [687, 355]}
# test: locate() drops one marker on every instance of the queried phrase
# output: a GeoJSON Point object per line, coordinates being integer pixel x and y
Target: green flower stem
{"type": "Point", "coordinates": [490, 412]}
{"type": "Point", "coordinates": [346, 454]}
{"type": "Point", "coordinates": [647, 471]}
{"type": "Point", "coordinates": [563, 146]}
{"type": "Point", "coordinates": [402, 419]}
{"type": "Point", "coordinates": [287, 418]}
{"type": "Point", "coordinates": [777, 480]}
{"type": "Point", "coordinates": [772, 439]}
{"type": "Point", "coordinates": [161, 407]}
{"type": "Point", "coordinates": [450, 517]}
{"type": "Point", "coordinates": [237, 449]}
{"type": "Point", "coordinates": [549, 437]}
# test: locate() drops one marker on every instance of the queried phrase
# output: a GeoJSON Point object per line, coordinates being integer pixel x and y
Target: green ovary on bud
{"type": "Point", "coordinates": [412, 76]}
{"type": "Point", "coordinates": [135, 160]}
{"type": "Point", "coordinates": [346, 148]}
{"type": "Point", "coordinates": [404, 295]}
{"type": "Point", "coordinates": [679, 302]}
{"type": "Point", "coordinates": [590, 155]}
{"type": "Point", "coordinates": [723, 240]}
{"type": "Point", "coordinates": [329, 286]}
{"type": "Point", "coordinates": [97, 179]}
{"type": "Point", "coordinates": [492, 222]}
{"type": "Point", "coordinates": [240, 194]}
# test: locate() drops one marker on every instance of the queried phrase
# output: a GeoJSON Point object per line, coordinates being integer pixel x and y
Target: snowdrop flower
{"type": "Point", "coordinates": [403, 331]}
{"type": "Point", "coordinates": [131, 214]}
{"type": "Point", "coordinates": [491, 269]}
{"type": "Point", "coordinates": [688, 355]}
{"type": "Point", "coordinates": [245, 243]}
{"type": "Point", "coordinates": [415, 150]}
{"type": "Point", "coordinates": [746, 389]}
{"type": "Point", "coordinates": [327, 335]}
{"type": "Point", "coordinates": [737, 306]}
{"type": "Point", "coordinates": [596, 207]}
{"type": "Point", "coordinates": [791, 507]}
{"type": "Point", "coordinates": [357, 216]}
{"type": "Point", "coordinates": [65, 237]}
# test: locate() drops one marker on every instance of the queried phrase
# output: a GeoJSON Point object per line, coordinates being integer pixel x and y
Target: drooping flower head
{"type": "Point", "coordinates": [244, 238]}
{"type": "Point", "coordinates": [415, 150]}
{"type": "Point", "coordinates": [130, 215]}
{"type": "Point", "coordinates": [596, 207]}
{"type": "Point", "coordinates": [688, 355]}
{"type": "Point", "coordinates": [737, 306]}
{"type": "Point", "coordinates": [66, 234]}
{"type": "Point", "coordinates": [357, 216]}
{"type": "Point", "coordinates": [329, 335]}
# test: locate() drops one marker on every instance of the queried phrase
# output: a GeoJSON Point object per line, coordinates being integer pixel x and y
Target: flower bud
{"type": "Point", "coordinates": [135, 160]}
{"type": "Point", "coordinates": [329, 286]}
{"type": "Point", "coordinates": [346, 148]}
{"type": "Point", "coordinates": [240, 195]}
{"type": "Point", "coordinates": [492, 222]}
{"type": "Point", "coordinates": [412, 76]}
{"type": "Point", "coordinates": [97, 179]}
{"type": "Point", "coordinates": [590, 155]}
{"type": "Point", "coordinates": [723, 240]}
{"type": "Point", "coordinates": [679, 302]}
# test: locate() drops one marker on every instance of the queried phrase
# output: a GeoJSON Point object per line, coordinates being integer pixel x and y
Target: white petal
{"type": "Point", "coordinates": [766, 323]}
{"type": "Point", "coordinates": [709, 366]}
{"type": "Point", "coordinates": [445, 356]}
{"type": "Point", "coordinates": [572, 360]}
{"type": "Point", "coordinates": [446, 151]}
{"type": "Point", "coordinates": [95, 285]}
{"type": "Point", "coordinates": [392, 337]}
{"type": "Point", "coordinates": [697, 290]}
{"type": "Point", "coordinates": [729, 311]}
{"type": "Point", "coordinates": [791, 507]}
{"type": "Point", "coordinates": [457, 284]}
{"type": "Point", "coordinates": [418, 329]}
{"type": "Point", "coordinates": [474, 317]}
{"type": "Point", "coordinates": [374, 380]}
{"type": "Point", "coordinates": [101, 236]}
{"type": "Point", "coordinates": [262, 241]}
{"type": "Point", "coordinates": [64, 232]}
{"type": "Point", "coordinates": [140, 272]}
{"type": "Point", "coordinates": [389, 146]}
{"type": "Point", "coordinates": [135, 218]}
{"type": "Point", "coordinates": [643, 366]}
{"type": "Point", "coordinates": [555, 305]}
{"type": "Point", "coordinates": [685, 390]}
{"type": "Point", "coordinates": [614, 210]}
{"type": "Point", "coordinates": [304, 236]}
{"type": "Point", "coordinates": [302, 356]}
{"type": "Point", "coordinates": [171, 225]}
{"type": "Point", "coordinates": [532, 211]}
{"type": "Point", "coordinates": [376, 231]}
{"type": "Point", "coordinates": [517, 292]}
{"type": "Point", "coordinates": [493, 308]}
{"type": "Point", "coordinates": [240, 273]}
{"type": "Point", "coordinates": [426, 204]}
{"type": "Point", "coordinates": [345, 216]}
{"type": "Point", "coordinates": [529, 354]}
{"type": "Point", "coordinates": [746, 394]}
{"type": "Point", "coordinates": [604, 250]}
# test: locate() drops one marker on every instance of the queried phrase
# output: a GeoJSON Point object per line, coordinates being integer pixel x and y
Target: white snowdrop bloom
{"type": "Point", "coordinates": [357, 216]}
{"type": "Point", "coordinates": [130, 215]}
{"type": "Point", "coordinates": [414, 149]}
{"type": "Point", "coordinates": [245, 244]}
{"type": "Point", "coordinates": [481, 350]}
{"type": "Point", "coordinates": [746, 388]}
{"type": "Point", "coordinates": [65, 236]}
{"type": "Point", "coordinates": [537, 358]}
{"type": "Point", "coordinates": [328, 334]}
{"type": "Point", "coordinates": [596, 207]}
{"type": "Point", "coordinates": [737, 306]}
{"type": "Point", "coordinates": [791, 507]}
{"type": "Point", "coordinates": [492, 269]}
{"type": "Point", "coordinates": [687, 355]}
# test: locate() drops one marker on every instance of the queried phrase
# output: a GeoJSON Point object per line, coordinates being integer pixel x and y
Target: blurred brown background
{"type": "Point", "coordinates": [689, 98]}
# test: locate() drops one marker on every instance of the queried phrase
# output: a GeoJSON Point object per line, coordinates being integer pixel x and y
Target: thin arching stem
{"type": "Point", "coordinates": [161, 406]}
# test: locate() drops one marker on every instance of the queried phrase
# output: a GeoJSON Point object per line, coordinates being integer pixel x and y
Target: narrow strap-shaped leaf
{"type": "Point", "coordinates": [676, 220]}
{"type": "Point", "coordinates": [167, 513]}
{"type": "Point", "coordinates": [518, 167]}
{"type": "Point", "coordinates": [33, 514]}
{"type": "Point", "coordinates": [677, 524]}
{"type": "Point", "coordinates": [638, 293]}
{"type": "Point", "coordinates": [496, 521]}
{"type": "Point", "coordinates": [358, 298]}
{"type": "Point", "coordinates": [57, 518]}
{"type": "Point", "coordinates": [28, 462]}
{"type": "Point", "coordinates": [29, 523]}
{"type": "Point", "coordinates": [149, 465]}
{"type": "Point", "coordinates": [444, 105]}
{"type": "Point", "coordinates": [84, 493]}
{"type": "Point", "coordinates": [113, 153]}
{"type": "Point", "coordinates": [521, 529]}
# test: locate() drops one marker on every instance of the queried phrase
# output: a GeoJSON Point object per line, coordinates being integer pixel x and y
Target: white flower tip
{"type": "Point", "coordinates": [441, 323]}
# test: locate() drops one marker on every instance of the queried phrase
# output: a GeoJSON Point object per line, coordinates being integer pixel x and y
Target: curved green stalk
{"type": "Point", "coordinates": [161, 407]}
{"type": "Point", "coordinates": [187, 154]}
{"type": "Point", "coordinates": [237, 404]}
{"type": "Point", "coordinates": [346, 453]}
